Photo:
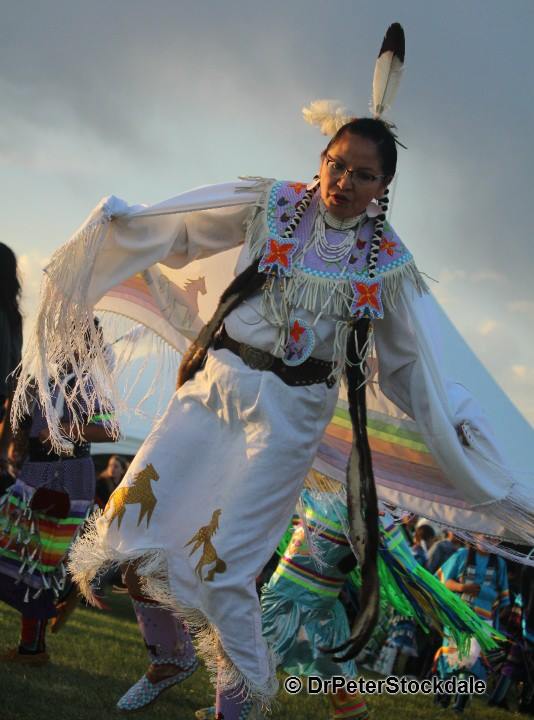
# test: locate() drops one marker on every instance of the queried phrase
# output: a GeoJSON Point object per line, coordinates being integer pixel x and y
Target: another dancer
{"type": "Point", "coordinates": [170, 651]}
{"type": "Point", "coordinates": [40, 515]}
{"type": "Point", "coordinates": [302, 614]}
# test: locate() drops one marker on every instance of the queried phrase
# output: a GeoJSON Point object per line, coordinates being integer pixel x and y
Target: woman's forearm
{"type": "Point", "coordinates": [97, 433]}
{"type": "Point", "coordinates": [92, 432]}
{"type": "Point", "coordinates": [454, 585]}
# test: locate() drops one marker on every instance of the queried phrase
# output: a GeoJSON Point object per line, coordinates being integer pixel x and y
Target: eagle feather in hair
{"type": "Point", "coordinates": [388, 70]}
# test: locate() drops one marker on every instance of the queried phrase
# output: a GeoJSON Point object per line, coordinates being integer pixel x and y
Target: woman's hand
{"type": "Point", "coordinates": [459, 587]}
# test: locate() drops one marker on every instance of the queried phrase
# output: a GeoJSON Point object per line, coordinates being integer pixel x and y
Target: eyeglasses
{"type": "Point", "coordinates": [337, 170]}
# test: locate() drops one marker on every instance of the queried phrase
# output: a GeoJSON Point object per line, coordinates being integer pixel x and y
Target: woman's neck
{"type": "Point", "coordinates": [338, 223]}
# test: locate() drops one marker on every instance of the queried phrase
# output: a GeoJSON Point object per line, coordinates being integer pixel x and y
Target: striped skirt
{"type": "Point", "coordinates": [40, 516]}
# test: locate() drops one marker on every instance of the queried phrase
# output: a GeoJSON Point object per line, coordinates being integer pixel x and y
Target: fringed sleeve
{"type": "Point", "coordinates": [411, 375]}
{"type": "Point", "coordinates": [115, 243]}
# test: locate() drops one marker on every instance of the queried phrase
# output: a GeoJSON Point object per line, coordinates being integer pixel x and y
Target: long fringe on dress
{"type": "Point", "coordinates": [92, 556]}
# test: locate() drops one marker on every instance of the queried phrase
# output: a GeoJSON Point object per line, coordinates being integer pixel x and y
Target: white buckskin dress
{"type": "Point", "coordinates": [211, 490]}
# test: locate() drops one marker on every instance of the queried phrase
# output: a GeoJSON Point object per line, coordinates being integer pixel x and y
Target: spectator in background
{"type": "Point", "coordinates": [109, 478]}
{"type": "Point", "coordinates": [442, 550]}
{"type": "Point", "coordinates": [408, 523]}
{"type": "Point", "coordinates": [10, 342]}
{"type": "Point", "coordinates": [404, 632]}
{"type": "Point", "coordinates": [482, 580]}
{"type": "Point", "coordinates": [518, 666]}
{"type": "Point", "coordinates": [423, 538]}
{"type": "Point", "coordinates": [439, 552]}
{"type": "Point", "coordinates": [11, 465]}
{"type": "Point", "coordinates": [106, 483]}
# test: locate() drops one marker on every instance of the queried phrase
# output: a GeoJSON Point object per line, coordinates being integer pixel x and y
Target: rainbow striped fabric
{"type": "Point", "coordinates": [296, 565]}
{"type": "Point", "coordinates": [402, 462]}
{"type": "Point", "coordinates": [34, 543]}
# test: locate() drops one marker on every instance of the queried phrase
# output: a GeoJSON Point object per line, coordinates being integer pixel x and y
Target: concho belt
{"type": "Point", "coordinates": [311, 372]}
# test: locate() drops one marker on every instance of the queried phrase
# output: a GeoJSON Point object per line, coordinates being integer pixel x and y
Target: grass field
{"type": "Point", "coordinates": [98, 655]}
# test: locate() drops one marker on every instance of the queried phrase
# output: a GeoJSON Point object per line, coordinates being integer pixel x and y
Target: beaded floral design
{"type": "Point", "coordinates": [278, 256]}
{"type": "Point", "coordinates": [310, 280]}
{"type": "Point", "coordinates": [300, 344]}
{"type": "Point", "coordinates": [367, 300]}
{"type": "Point", "coordinates": [319, 269]}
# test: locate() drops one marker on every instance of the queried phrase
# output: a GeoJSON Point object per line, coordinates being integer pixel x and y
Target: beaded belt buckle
{"type": "Point", "coordinates": [255, 358]}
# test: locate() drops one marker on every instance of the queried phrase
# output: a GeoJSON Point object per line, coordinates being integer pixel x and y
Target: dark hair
{"type": "Point", "coordinates": [10, 288]}
{"type": "Point", "coordinates": [379, 133]}
{"type": "Point", "coordinates": [426, 532]}
{"type": "Point", "coordinates": [119, 459]}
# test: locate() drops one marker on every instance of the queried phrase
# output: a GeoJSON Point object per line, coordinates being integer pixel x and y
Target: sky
{"type": "Point", "coordinates": [146, 100]}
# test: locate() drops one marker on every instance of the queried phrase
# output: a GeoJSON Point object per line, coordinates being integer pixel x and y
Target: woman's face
{"type": "Point", "coordinates": [114, 469]}
{"type": "Point", "coordinates": [347, 196]}
{"type": "Point", "coordinates": [481, 544]}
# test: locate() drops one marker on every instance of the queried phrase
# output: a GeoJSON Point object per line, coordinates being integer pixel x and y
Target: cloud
{"type": "Point", "coordinates": [488, 275]}
{"type": "Point", "coordinates": [487, 327]}
{"type": "Point", "coordinates": [452, 275]}
{"type": "Point", "coordinates": [134, 80]}
{"type": "Point", "coordinates": [524, 373]}
{"type": "Point", "coordinates": [521, 306]}
{"type": "Point", "coordinates": [519, 371]}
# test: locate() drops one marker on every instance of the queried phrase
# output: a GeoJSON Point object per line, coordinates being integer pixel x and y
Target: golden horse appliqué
{"type": "Point", "coordinates": [209, 555]}
{"type": "Point", "coordinates": [139, 492]}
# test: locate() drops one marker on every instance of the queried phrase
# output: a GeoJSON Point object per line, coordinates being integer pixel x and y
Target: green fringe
{"type": "Point", "coordinates": [427, 601]}
{"type": "Point", "coordinates": [417, 594]}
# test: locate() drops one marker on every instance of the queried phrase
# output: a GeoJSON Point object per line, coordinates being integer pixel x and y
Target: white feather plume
{"type": "Point", "coordinates": [327, 115]}
{"type": "Point", "coordinates": [386, 80]}
{"type": "Point", "coordinates": [388, 70]}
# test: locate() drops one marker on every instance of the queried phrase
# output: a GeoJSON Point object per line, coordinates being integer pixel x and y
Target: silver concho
{"type": "Point", "coordinates": [255, 358]}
